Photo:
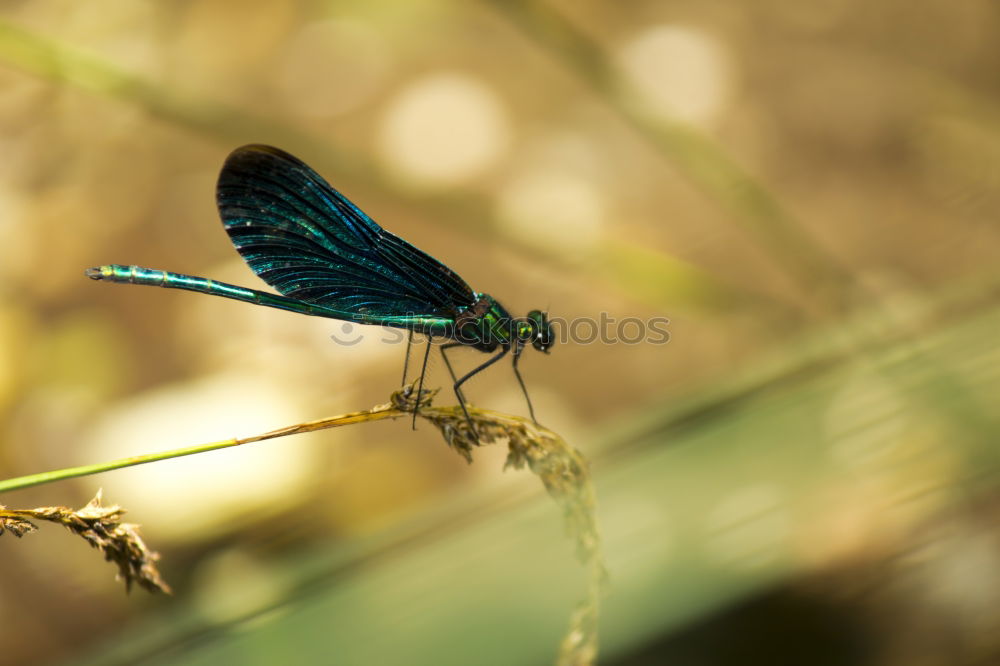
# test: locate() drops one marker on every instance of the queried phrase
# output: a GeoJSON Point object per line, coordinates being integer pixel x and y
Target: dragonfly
{"type": "Point", "coordinates": [327, 258]}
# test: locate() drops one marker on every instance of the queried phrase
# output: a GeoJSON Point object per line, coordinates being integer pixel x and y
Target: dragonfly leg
{"type": "Point", "coordinates": [406, 359]}
{"type": "Point", "coordinates": [524, 389]}
{"type": "Point", "coordinates": [420, 385]}
{"type": "Point", "coordinates": [451, 371]}
{"type": "Point", "coordinates": [469, 375]}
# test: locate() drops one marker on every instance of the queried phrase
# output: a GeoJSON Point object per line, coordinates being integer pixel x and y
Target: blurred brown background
{"type": "Point", "coordinates": [806, 473]}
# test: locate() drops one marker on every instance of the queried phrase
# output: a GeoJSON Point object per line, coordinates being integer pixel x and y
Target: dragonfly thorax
{"type": "Point", "coordinates": [486, 325]}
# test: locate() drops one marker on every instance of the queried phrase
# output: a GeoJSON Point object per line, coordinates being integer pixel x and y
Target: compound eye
{"type": "Point", "coordinates": [544, 337]}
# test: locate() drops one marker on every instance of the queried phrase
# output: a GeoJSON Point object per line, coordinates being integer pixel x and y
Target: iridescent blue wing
{"type": "Point", "coordinates": [309, 242]}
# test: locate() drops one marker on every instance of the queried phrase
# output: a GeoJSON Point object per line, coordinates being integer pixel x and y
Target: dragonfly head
{"type": "Point", "coordinates": [542, 337]}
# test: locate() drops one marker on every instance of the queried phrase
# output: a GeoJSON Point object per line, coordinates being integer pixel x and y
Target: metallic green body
{"type": "Point", "coordinates": [433, 326]}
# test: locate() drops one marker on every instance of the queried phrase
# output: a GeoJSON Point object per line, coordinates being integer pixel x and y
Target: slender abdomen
{"type": "Point", "coordinates": [430, 325]}
{"type": "Point", "coordinates": [148, 276]}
